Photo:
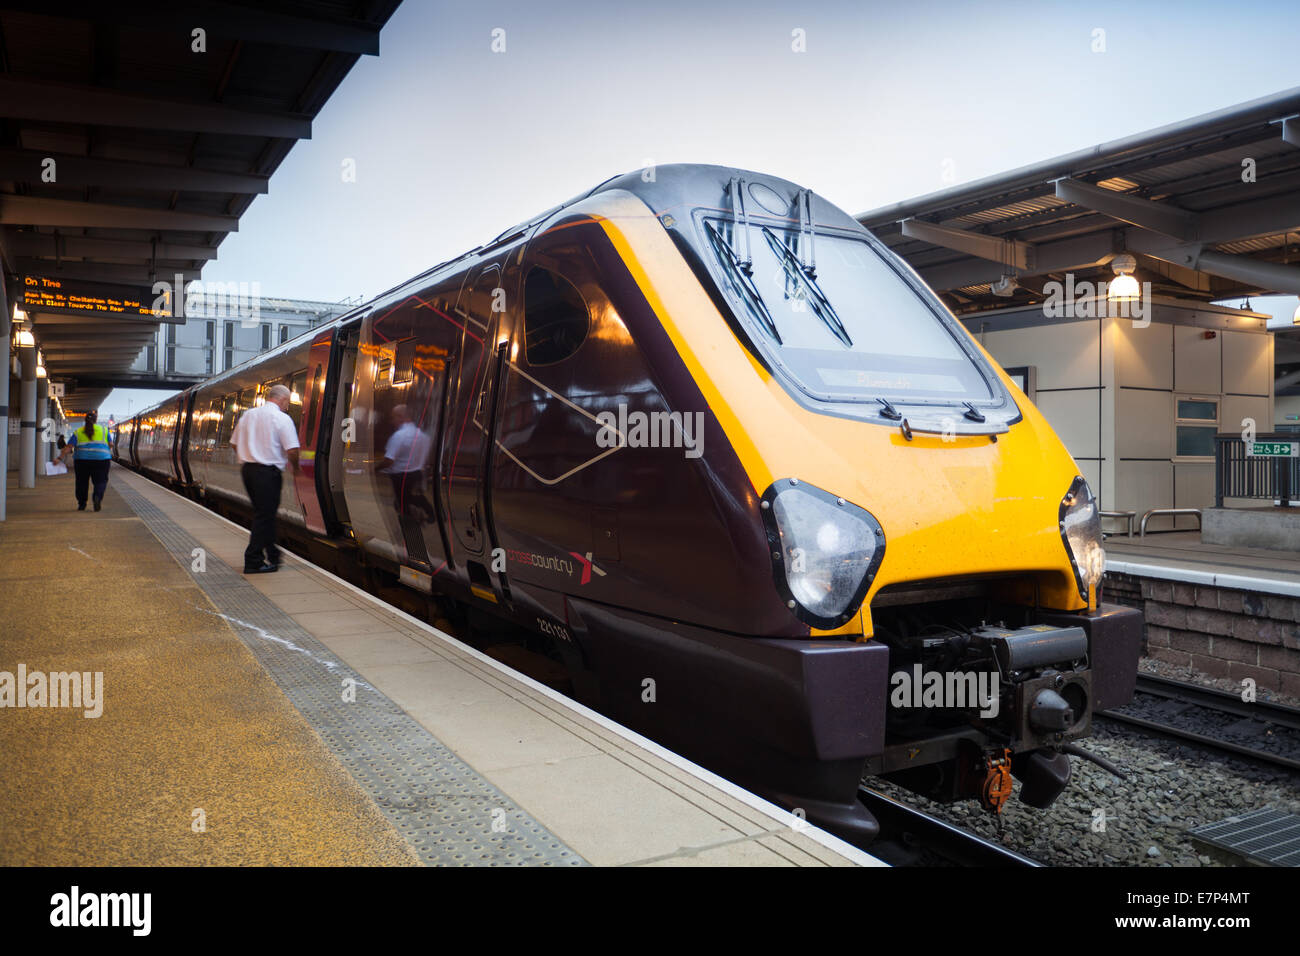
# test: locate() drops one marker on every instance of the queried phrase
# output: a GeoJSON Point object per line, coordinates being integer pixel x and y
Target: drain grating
{"type": "Point", "coordinates": [1269, 837]}
{"type": "Point", "coordinates": [444, 809]}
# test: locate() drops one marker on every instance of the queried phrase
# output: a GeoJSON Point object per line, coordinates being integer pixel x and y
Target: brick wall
{"type": "Point", "coordinates": [1218, 631]}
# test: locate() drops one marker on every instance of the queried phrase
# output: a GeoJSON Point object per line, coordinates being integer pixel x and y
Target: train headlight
{"type": "Point", "coordinates": [824, 550]}
{"type": "Point", "coordinates": [1081, 532]}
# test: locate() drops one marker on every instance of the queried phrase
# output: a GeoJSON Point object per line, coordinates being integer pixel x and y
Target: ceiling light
{"type": "Point", "coordinates": [1004, 287]}
{"type": "Point", "coordinates": [1123, 288]}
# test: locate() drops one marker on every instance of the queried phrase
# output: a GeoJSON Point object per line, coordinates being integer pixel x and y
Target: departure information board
{"type": "Point", "coordinates": [48, 294]}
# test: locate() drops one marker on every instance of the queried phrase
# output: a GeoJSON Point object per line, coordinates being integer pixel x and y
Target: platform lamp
{"type": "Point", "coordinates": [1123, 288]}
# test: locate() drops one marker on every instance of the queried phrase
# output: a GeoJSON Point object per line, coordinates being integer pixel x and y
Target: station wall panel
{"type": "Point", "coordinates": [1144, 424]}
{"type": "Point", "coordinates": [1247, 363]}
{"type": "Point", "coordinates": [1144, 358]}
{"type": "Point", "coordinates": [1238, 407]}
{"type": "Point", "coordinates": [1075, 415]}
{"type": "Point", "coordinates": [1141, 485]}
{"type": "Point", "coordinates": [1193, 488]}
{"type": "Point", "coordinates": [1197, 361]}
{"type": "Point", "coordinates": [1066, 354]}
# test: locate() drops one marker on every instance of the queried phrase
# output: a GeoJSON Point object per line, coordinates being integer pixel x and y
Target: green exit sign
{"type": "Point", "coordinates": [1273, 449]}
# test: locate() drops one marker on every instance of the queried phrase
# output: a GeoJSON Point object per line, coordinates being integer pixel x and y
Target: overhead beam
{"type": "Point", "coordinates": [97, 106]}
{"type": "Point", "coordinates": [103, 271]}
{"type": "Point", "coordinates": [1008, 252]}
{"type": "Point", "coordinates": [1256, 273]}
{"type": "Point", "coordinates": [92, 319]}
{"type": "Point", "coordinates": [1062, 255]}
{"type": "Point", "coordinates": [1291, 130]}
{"type": "Point", "coordinates": [34, 166]}
{"type": "Point", "coordinates": [340, 34]}
{"type": "Point", "coordinates": [1160, 217]}
{"type": "Point", "coordinates": [172, 380]}
{"type": "Point", "coordinates": [1260, 217]}
{"type": "Point", "coordinates": [48, 245]}
{"type": "Point", "coordinates": [68, 213]}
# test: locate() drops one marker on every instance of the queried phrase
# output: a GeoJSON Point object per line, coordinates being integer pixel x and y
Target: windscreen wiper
{"type": "Point", "coordinates": [747, 283]}
{"type": "Point", "coordinates": [821, 304]}
{"type": "Point", "coordinates": [804, 202]}
{"type": "Point", "coordinates": [740, 223]}
{"type": "Point", "coordinates": [889, 411]}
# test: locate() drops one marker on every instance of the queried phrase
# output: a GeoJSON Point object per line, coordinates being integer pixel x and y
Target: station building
{"type": "Point", "coordinates": [1115, 284]}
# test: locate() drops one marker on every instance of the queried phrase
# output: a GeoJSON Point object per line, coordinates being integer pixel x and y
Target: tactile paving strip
{"type": "Point", "coordinates": [444, 809]}
{"type": "Point", "coordinates": [1264, 836]}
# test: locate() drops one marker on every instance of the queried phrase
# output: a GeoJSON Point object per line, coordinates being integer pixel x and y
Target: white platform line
{"type": "Point", "coordinates": [1219, 579]}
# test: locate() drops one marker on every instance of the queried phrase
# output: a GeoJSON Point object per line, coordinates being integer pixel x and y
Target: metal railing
{"type": "Point", "coordinates": [1126, 516]}
{"type": "Point", "coordinates": [1238, 475]}
{"type": "Point", "coordinates": [1172, 512]}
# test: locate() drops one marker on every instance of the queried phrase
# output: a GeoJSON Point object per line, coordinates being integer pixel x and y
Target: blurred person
{"type": "Point", "coordinates": [265, 440]}
{"type": "Point", "coordinates": [404, 459]}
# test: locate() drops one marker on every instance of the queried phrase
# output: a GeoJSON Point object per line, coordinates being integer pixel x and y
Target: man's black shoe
{"type": "Point", "coordinates": [264, 569]}
{"type": "Point", "coordinates": [81, 506]}
{"type": "Point", "coordinates": [97, 504]}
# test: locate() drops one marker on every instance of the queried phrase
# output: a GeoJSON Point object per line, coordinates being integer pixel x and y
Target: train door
{"type": "Point", "coordinates": [187, 429]}
{"type": "Point", "coordinates": [467, 437]}
{"type": "Point", "coordinates": [310, 385]}
{"type": "Point", "coordinates": [343, 427]}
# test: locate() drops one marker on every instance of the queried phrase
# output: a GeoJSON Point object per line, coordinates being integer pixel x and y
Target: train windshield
{"type": "Point", "coordinates": [839, 320]}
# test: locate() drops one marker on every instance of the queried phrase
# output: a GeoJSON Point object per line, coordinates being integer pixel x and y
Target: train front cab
{"type": "Point", "coordinates": [700, 589]}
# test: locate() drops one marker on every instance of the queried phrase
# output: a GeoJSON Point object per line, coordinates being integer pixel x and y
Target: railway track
{"type": "Point", "coordinates": [1165, 708]}
{"type": "Point", "coordinates": [910, 837]}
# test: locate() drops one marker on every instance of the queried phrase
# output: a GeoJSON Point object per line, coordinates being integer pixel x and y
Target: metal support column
{"type": "Point", "coordinates": [27, 437]}
{"type": "Point", "coordinates": [42, 414]}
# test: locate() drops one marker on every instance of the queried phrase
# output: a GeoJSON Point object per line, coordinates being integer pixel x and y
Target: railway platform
{"type": "Point", "coordinates": [1182, 556]}
{"type": "Point", "coordinates": [1230, 614]}
{"type": "Point", "coordinates": [291, 718]}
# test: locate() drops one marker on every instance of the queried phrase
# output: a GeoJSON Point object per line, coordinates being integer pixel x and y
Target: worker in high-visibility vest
{"type": "Point", "coordinates": [91, 459]}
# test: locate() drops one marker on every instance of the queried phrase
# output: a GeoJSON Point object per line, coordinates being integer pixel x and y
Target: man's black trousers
{"type": "Point", "coordinates": [262, 482]}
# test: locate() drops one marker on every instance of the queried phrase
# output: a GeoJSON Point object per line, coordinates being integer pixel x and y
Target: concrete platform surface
{"type": "Point", "coordinates": [222, 693]}
{"type": "Point", "coordinates": [1184, 556]}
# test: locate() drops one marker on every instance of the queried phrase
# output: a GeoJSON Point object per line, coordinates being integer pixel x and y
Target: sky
{"type": "Point", "coordinates": [452, 142]}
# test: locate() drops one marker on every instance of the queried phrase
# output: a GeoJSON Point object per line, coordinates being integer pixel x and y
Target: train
{"type": "Point", "coordinates": [723, 458]}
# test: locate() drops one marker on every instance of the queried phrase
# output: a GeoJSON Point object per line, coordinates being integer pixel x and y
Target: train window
{"type": "Point", "coordinates": [297, 392]}
{"type": "Point", "coordinates": [856, 331]}
{"type": "Point", "coordinates": [404, 363]}
{"type": "Point", "coordinates": [229, 408]}
{"type": "Point", "coordinates": [208, 418]}
{"type": "Point", "coordinates": [315, 397]}
{"type": "Point", "coordinates": [247, 398]}
{"type": "Point", "coordinates": [555, 318]}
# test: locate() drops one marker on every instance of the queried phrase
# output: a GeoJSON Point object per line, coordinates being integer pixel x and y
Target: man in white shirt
{"type": "Point", "coordinates": [265, 440]}
{"type": "Point", "coordinates": [404, 459]}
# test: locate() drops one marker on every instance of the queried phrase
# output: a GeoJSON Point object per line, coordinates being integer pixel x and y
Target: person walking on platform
{"type": "Point", "coordinates": [91, 459]}
{"type": "Point", "coordinates": [265, 441]}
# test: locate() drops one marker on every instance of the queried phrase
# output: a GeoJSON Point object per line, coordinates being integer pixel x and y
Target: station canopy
{"type": "Point", "coordinates": [131, 145]}
{"type": "Point", "coordinates": [1208, 208]}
